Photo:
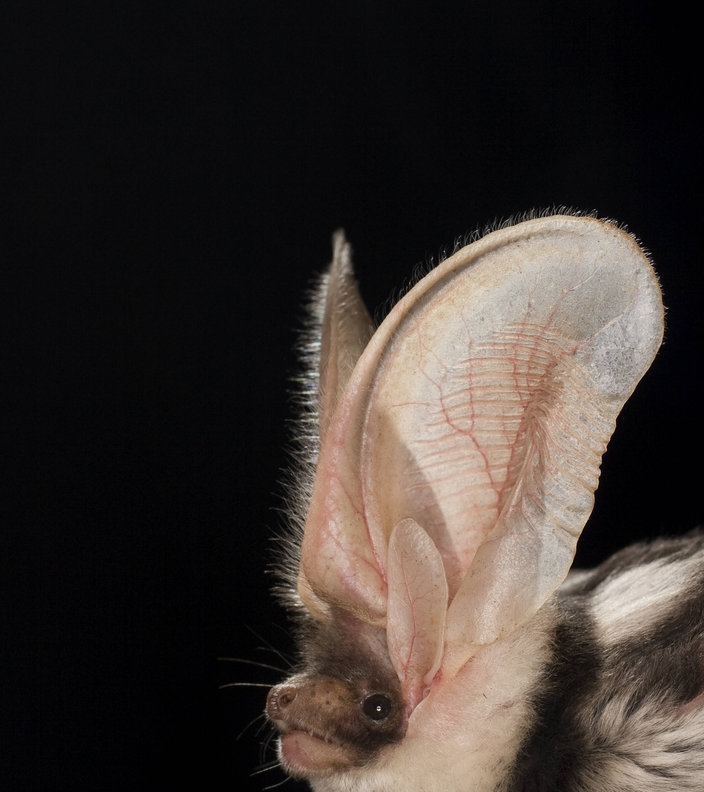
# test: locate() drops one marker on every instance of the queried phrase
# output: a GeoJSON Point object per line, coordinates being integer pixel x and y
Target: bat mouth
{"type": "Point", "coordinates": [304, 753]}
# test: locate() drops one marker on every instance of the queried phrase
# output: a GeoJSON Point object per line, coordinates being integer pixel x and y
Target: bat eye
{"type": "Point", "coordinates": [377, 706]}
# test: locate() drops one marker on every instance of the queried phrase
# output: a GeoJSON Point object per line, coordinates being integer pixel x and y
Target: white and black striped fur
{"type": "Point", "coordinates": [620, 706]}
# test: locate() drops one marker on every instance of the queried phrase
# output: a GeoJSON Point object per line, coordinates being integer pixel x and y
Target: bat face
{"type": "Point", "coordinates": [456, 457]}
{"type": "Point", "coordinates": [346, 705]}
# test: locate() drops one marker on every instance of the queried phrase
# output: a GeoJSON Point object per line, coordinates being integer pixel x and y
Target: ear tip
{"type": "Point", "coordinates": [341, 265]}
{"type": "Point", "coordinates": [339, 241]}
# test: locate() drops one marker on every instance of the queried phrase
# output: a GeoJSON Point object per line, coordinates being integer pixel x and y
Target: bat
{"type": "Point", "coordinates": [449, 462]}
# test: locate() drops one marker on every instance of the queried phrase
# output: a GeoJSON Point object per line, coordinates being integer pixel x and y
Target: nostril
{"type": "Point", "coordinates": [286, 696]}
{"type": "Point", "coordinates": [279, 698]}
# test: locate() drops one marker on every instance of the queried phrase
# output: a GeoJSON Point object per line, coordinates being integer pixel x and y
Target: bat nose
{"type": "Point", "coordinates": [278, 699]}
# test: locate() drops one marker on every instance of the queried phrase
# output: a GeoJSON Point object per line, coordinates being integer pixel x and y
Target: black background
{"type": "Point", "coordinates": [174, 173]}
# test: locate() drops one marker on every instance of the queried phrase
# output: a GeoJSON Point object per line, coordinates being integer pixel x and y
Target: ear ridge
{"type": "Point", "coordinates": [528, 552]}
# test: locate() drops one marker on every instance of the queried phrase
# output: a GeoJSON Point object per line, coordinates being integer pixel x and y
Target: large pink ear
{"type": "Point", "coordinates": [480, 409]}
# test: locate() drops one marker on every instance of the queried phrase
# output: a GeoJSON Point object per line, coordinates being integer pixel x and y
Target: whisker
{"type": "Point", "coordinates": [271, 765]}
{"type": "Point", "coordinates": [251, 662]}
{"type": "Point", "coordinates": [261, 717]}
{"type": "Point", "coordinates": [243, 684]}
{"type": "Point", "coordinates": [265, 746]}
{"type": "Point", "coordinates": [270, 647]}
{"type": "Point", "coordinates": [274, 786]}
